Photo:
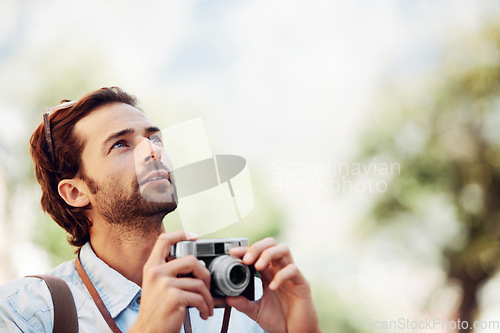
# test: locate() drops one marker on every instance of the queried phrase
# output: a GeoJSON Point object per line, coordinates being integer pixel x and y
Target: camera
{"type": "Point", "coordinates": [229, 276]}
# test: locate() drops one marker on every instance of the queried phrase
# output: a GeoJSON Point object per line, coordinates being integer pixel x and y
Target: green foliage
{"type": "Point", "coordinates": [445, 137]}
{"type": "Point", "coordinates": [334, 316]}
{"type": "Point", "coordinates": [52, 238]}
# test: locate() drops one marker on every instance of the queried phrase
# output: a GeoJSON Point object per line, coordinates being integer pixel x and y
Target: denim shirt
{"type": "Point", "coordinates": [26, 304]}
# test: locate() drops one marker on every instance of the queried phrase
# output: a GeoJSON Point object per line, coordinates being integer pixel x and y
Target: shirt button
{"type": "Point", "coordinates": [139, 300]}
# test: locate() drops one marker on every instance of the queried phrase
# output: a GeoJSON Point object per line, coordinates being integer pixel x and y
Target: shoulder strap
{"type": "Point", "coordinates": [95, 296]}
{"type": "Point", "coordinates": [65, 316]}
{"type": "Point", "coordinates": [225, 321]}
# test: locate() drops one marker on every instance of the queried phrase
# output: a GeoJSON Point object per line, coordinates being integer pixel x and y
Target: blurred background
{"type": "Point", "coordinates": [370, 128]}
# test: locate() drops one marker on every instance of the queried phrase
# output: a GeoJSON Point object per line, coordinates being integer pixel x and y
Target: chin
{"type": "Point", "coordinates": [159, 193]}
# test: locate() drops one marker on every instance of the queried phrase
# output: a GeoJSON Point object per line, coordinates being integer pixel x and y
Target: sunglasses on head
{"type": "Point", "coordinates": [46, 125]}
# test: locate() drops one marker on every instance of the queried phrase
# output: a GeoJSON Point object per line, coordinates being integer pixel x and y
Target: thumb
{"type": "Point", "coordinates": [242, 304]}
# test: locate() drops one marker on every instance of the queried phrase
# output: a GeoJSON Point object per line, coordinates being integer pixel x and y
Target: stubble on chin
{"type": "Point", "coordinates": [130, 211]}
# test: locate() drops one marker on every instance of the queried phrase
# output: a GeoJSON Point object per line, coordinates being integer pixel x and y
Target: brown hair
{"type": "Point", "coordinates": [68, 149]}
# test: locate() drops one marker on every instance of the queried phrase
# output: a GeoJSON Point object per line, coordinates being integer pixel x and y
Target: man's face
{"type": "Point", "coordinates": [126, 167]}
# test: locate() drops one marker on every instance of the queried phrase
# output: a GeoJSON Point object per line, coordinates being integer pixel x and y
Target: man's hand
{"type": "Point", "coordinates": [286, 305]}
{"type": "Point", "coordinates": [165, 295]}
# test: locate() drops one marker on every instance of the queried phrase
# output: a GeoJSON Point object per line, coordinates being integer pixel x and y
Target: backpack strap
{"type": "Point", "coordinates": [65, 316]}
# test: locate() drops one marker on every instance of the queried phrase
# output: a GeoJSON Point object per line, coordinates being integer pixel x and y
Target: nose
{"type": "Point", "coordinates": [154, 152]}
{"type": "Point", "coordinates": [147, 151]}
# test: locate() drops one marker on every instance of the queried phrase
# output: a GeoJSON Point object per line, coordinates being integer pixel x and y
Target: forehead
{"type": "Point", "coordinates": [108, 119]}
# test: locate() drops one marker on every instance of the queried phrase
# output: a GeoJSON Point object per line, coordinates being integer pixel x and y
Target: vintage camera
{"type": "Point", "coordinates": [229, 276]}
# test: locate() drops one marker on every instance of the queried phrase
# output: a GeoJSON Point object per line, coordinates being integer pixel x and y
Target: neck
{"type": "Point", "coordinates": [124, 250]}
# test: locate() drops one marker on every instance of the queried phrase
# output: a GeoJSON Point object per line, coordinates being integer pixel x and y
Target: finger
{"type": "Point", "coordinates": [187, 265]}
{"type": "Point", "coordinates": [161, 249]}
{"type": "Point", "coordinates": [238, 252]}
{"type": "Point", "coordinates": [278, 255]}
{"type": "Point", "coordinates": [187, 298]}
{"type": "Point", "coordinates": [196, 286]}
{"type": "Point", "coordinates": [266, 276]}
{"type": "Point", "coordinates": [289, 273]}
{"type": "Point", "coordinates": [242, 304]}
{"type": "Point", "coordinates": [256, 249]}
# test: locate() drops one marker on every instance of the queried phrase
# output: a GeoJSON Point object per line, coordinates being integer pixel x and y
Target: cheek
{"type": "Point", "coordinates": [118, 186]}
{"type": "Point", "coordinates": [165, 159]}
{"type": "Point", "coordinates": [119, 173]}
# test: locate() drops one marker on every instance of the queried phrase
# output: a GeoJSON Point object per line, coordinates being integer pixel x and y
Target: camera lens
{"type": "Point", "coordinates": [229, 275]}
{"type": "Point", "coordinates": [237, 275]}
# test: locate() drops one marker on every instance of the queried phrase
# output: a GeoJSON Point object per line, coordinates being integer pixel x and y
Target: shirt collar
{"type": "Point", "coordinates": [115, 290]}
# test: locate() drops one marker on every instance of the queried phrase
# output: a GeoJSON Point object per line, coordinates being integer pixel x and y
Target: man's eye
{"type": "Point", "coordinates": [156, 139]}
{"type": "Point", "coordinates": [119, 144]}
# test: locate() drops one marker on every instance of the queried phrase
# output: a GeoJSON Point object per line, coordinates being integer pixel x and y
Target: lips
{"type": "Point", "coordinates": [157, 175]}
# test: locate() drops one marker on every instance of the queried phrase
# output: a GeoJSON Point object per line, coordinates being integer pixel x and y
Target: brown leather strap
{"type": "Point", "coordinates": [95, 295]}
{"type": "Point", "coordinates": [187, 322]}
{"type": "Point", "coordinates": [225, 321]}
{"type": "Point", "coordinates": [65, 316]}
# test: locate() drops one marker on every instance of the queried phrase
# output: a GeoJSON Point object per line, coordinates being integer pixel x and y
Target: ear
{"type": "Point", "coordinates": [71, 191]}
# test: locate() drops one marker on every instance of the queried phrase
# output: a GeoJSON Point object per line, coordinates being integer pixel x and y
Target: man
{"type": "Point", "coordinates": [105, 179]}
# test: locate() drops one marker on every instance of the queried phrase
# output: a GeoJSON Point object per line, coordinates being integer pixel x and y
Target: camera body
{"type": "Point", "coordinates": [229, 276]}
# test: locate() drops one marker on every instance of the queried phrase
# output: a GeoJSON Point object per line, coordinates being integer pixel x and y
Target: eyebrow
{"type": "Point", "coordinates": [151, 129]}
{"type": "Point", "coordinates": [126, 131]}
{"type": "Point", "coordinates": [117, 135]}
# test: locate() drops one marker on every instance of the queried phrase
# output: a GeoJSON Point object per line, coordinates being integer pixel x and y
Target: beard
{"type": "Point", "coordinates": [130, 209]}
